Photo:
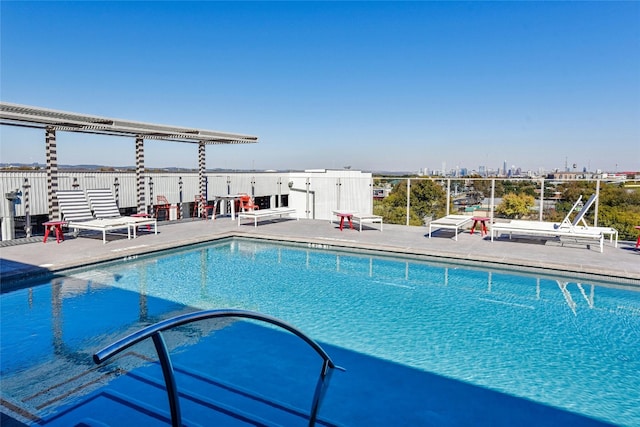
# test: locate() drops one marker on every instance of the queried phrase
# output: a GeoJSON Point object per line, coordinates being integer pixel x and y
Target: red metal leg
{"type": "Point", "coordinates": [59, 234]}
{"type": "Point", "coordinates": [341, 222]}
{"type": "Point", "coordinates": [46, 233]}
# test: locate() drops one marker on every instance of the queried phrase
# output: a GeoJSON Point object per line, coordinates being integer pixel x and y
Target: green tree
{"type": "Point", "coordinates": [428, 199]}
{"type": "Point", "coordinates": [484, 186]}
{"type": "Point", "coordinates": [506, 186]}
{"type": "Point", "coordinates": [515, 205]}
{"type": "Point", "coordinates": [618, 206]}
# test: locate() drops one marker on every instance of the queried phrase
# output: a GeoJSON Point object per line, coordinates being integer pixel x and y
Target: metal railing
{"type": "Point", "coordinates": [317, 195]}
{"type": "Point", "coordinates": [155, 333]}
{"type": "Point", "coordinates": [417, 200]}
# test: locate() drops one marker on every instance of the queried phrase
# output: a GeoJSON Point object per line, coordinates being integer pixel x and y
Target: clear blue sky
{"type": "Point", "coordinates": [374, 85]}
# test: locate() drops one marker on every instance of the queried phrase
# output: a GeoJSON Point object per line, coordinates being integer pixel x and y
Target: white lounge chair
{"type": "Point", "coordinates": [361, 218]}
{"type": "Point", "coordinates": [541, 228]}
{"type": "Point", "coordinates": [76, 212]}
{"type": "Point", "coordinates": [566, 229]}
{"type": "Point", "coordinates": [454, 222]}
{"type": "Point", "coordinates": [265, 213]}
{"type": "Point", "coordinates": [583, 211]}
{"type": "Point", "coordinates": [104, 206]}
{"type": "Point", "coordinates": [579, 218]}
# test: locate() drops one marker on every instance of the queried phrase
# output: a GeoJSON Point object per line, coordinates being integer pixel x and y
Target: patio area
{"type": "Point", "coordinates": [618, 265]}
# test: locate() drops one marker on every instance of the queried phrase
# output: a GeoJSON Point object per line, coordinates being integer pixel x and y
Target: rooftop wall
{"type": "Point", "coordinates": [328, 189]}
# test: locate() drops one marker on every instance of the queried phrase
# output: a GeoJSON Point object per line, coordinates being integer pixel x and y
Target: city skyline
{"type": "Point", "coordinates": [482, 170]}
{"type": "Point", "coordinates": [397, 86]}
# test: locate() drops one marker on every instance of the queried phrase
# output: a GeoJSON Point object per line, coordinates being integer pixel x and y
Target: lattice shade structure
{"type": "Point", "coordinates": [54, 120]}
{"type": "Point", "coordinates": [35, 117]}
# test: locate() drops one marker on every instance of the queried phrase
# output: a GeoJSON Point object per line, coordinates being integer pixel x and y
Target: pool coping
{"type": "Point", "coordinates": [616, 264]}
{"type": "Point", "coordinates": [11, 280]}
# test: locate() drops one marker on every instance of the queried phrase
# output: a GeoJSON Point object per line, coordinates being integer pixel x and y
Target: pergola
{"type": "Point", "coordinates": [54, 120]}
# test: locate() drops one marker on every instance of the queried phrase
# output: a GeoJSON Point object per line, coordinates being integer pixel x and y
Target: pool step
{"type": "Point", "coordinates": [55, 383]}
{"type": "Point", "coordinates": [139, 398]}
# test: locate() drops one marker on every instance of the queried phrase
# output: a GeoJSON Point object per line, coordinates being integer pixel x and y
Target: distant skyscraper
{"type": "Point", "coordinates": [504, 168]}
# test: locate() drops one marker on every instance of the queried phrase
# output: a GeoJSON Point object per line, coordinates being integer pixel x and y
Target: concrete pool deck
{"type": "Point", "coordinates": [621, 264]}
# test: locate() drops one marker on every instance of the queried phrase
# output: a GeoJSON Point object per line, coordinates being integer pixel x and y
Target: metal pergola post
{"type": "Point", "coordinates": [140, 175]}
{"type": "Point", "coordinates": [202, 165]}
{"type": "Point", "coordinates": [52, 173]}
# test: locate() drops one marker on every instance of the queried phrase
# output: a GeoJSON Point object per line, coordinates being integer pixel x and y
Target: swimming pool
{"type": "Point", "coordinates": [423, 344]}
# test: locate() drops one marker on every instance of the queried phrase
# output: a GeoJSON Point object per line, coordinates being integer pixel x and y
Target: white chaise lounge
{"type": "Point", "coordinates": [361, 218]}
{"type": "Point", "coordinates": [77, 214]}
{"type": "Point", "coordinates": [579, 218]}
{"type": "Point", "coordinates": [367, 219]}
{"type": "Point", "coordinates": [564, 230]}
{"type": "Point", "coordinates": [265, 213]}
{"type": "Point", "coordinates": [541, 228]}
{"type": "Point", "coordinates": [104, 206]}
{"type": "Point", "coordinates": [454, 222]}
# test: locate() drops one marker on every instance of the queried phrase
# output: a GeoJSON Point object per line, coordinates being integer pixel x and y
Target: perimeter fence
{"type": "Point", "coordinates": [410, 201]}
{"type": "Point", "coordinates": [617, 202]}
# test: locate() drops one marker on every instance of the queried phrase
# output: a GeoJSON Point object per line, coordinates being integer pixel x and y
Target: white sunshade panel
{"type": "Point", "coordinates": [40, 117]}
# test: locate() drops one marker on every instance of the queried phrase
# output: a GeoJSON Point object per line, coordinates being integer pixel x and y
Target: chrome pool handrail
{"type": "Point", "coordinates": [154, 332]}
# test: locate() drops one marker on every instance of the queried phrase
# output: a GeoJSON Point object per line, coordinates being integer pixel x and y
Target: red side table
{"type": "Point", "coordinates": [342, 216]}
{"type": "Point", "coordinates": [483, 222]}
{"type": "Point", "coordinates": [57, 226]}
{"type": "Point", "coordinates": [637, 227]}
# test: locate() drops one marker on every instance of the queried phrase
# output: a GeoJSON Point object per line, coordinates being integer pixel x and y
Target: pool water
{"type": "Point", "coordinates": [423, 344]}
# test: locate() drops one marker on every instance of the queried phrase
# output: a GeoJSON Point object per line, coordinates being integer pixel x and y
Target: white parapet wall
{"type": "Point", "coordinates": [327, 190]}
{"type": "Point", "coordinates": [315, 193]}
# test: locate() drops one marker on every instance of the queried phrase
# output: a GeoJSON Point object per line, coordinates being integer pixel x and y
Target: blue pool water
{"type": "Point", "coordinates": [423, 344]}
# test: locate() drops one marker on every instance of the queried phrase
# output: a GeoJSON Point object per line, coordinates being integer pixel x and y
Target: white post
{"type": "Point", "coordinates": [448, 194]}
{"type": "Point", "coordinates": [279, 184]}
{"type": "Point", "coordinates": [371, 194]}
{"type": "Point", "coordinates": [541, 198]}
{"type": "Point", "coordinates": [595, 208]}
{"type": "Point", "coordinates": [307, 184]}
{"type": "Point", "coordinates": [408, 198]}
{"type": "Point", "coordinates": [493, 193]}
